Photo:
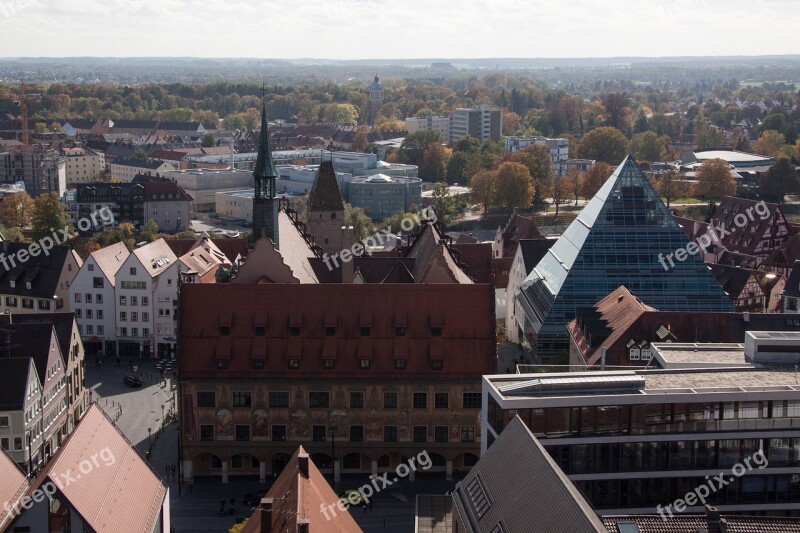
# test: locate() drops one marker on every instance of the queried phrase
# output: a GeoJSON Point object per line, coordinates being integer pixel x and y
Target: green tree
{"type": "Point", "coordinates": [139, 153]}
{"type": "Point", "coordinates": [49, 215]}
{"type": "Point", "coordinates": [670, 186]}
{"type": "Point", "coordinates": [13, 234]}
{"type": "Point", "coordinates": [594, 178]}
{"type": "Point", "coordinates": [343, 113]}
{"type": "Point", "coordinates": [123, 232]}
{"type": "Point", "coordinates": [536, 158]}
{"type": "Point", "coordinates": [781, 179]}
{"type": "Point", "coordinates": [16, 210]}
{"type": "Point", "coordinates": [358, 220]}
{"type": "Point", "coordinates": [444, 204]}
{"type": "Point", "coordinates": [482, 188]}
{"type": "Point", "coordinates": [648, 146]}
{"type": "Point", "coordinates": [606, 144]}
{"type": "Point", "coordinates": [433, 166]}
{"type": "Point", "coordinates": [149, 231]}
{"type": "Point", "coordinates": [514, 186]}
{"type": "Point", "coordinates": [208, 140]}
{"type": "Point", "coordinates": [40, 127]}
{"type": "Point", "coordinates": [714, 180]}
{"type": "Point", "coordinates": [414, 146]}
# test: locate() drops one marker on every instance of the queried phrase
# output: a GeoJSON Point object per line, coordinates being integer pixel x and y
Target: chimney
{"type": "Point", "coordinates": [712, 515]}
{"type": "Point", "coordinates": [265, 511]}
{"type": "Point", "coordinates": [746, 317]}
{"type": "Point", "coordinates": [302, 525]}
{"type": "Point", "coordinates": [603, 358]}
{"type": "Point", "coordinates": [302, 464]}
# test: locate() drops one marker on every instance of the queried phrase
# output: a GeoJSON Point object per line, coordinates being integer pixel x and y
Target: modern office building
{"type": "Point", "coordinates": [482, 122]}
{"type": "Point", "coordinates": [439, 124]}
{"type": "Point", "coordinates": [382, 196]}
{"type": "Point", "coordinates": [635, 439]}
{"type": "Point", "coordinates": [624, 236]}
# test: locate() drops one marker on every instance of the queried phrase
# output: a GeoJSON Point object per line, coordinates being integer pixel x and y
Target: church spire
{"type": "Point", "coordinates": [265, 167]}
{"type": "Point", "coordinates": [265, 203]}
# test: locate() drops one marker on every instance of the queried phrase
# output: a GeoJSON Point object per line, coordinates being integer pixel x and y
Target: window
{"type": "Point", "coordinates": [279, 433]}
{"type": "Point", "coordinates": [318, 399]}
{"type": "Point", "coordinates": [123, 300]}
{"type": "Point", "coordinates": [366, 331]}
{"type": "Point", "coordinates": [472, 400]}
{"type": "Point", "coordinates": [99, 298]}
{"type": "Point", "coordinates": [123, 332]}
{"type": "Point", "coordinates": [88, 298]}
{"type": "Point", "coordinates": [420, 433]}
{"type": "Point", "coordinates": [27, 303]}
{"type": "Point", "coordinates": [97, 282]}
{"type": "Point", "coordinates": [294, 364]}
{"type": "Point", "coordinates": [89, 329]}
{"type": "Point", "coordinates": [224, 330]}
{"type": "Point", "coordinates": [100, 330]}
{"type": "Point", "coordinates": [356, 433]}
{"type": "Point", "coordinates": [327, 364]}
{"type": "Point", "coordinates": [206, 431]}
{"type": "Point", "coordinates": [3, 421]}
{"type": "Point", "coordinates": [91, 267]}
{"type": "Point", "coordinates": [318, 433]}
{"type": "Point", "coordinates": [78, 313]}
{"type": "Point", "coordinates": [99, 314]}
{"type": "Point", "coordinates": [467, 433]}
{"type": "Point", "coordinates": [440, 434]}
{"type": "Point", "coordinates": [356, 400]}
{"type": "Point", "coordinates": [634, 354]}
{"type": "Point", "coordinates": [17, 444]}
{"type": "Point", "coordinates": [400, 364]}
{"type": "Point", "coordinates": [145, 332]}
{"type": "Point", "coordinates": [294, 331]}
{"type": "Point", "coordinates": [5, 443]}
{"type": "Point", "coordinates": [256, 364]}
{"type": "Point", "coordinates": [400, 331]}
{"type": "Point", "coordinates": [222, 364]}
{"type": "Point", "coordinates": [241, 399]}
{"type": "Point", "coordinates": [436, 332]}
{"type": "Point", "coordinates": [134, 316]}
{"type": "Point", "coordinates": [145, 317]}
{"type": "Point", "coordinates": [363, 364]}
{"type": "Point", "coordinates": [441, 400]}
{"type": "Point", "coordinates": [134, 300]}
{"type": "Point", "coordinates": [420, 400]}
{"type": "Point", "coordinates": [242, 432]}
{"type": "Point", "coordinates": [389, 433]}
{"type": "Point", "coordinates": [77, 298]}
{"type": "Point", "coordinates": [206, 399]}
{"type": "Point", "coordinates": [44, 305]}
{"type": "Point", "coordinates": [133, 271]}
{"type": "Point", "coordinates": [260, 331]}
{"type": "Point", "coordinates": [123, 316]}
{"type": "Point", "coordinates": [436, 364]}
{"type": "Point", "coordinates": [390, 400]}
{"type": "Point", "coordinates": [145, 300]}
{"type": "Point", "coordinates": [279, 399]}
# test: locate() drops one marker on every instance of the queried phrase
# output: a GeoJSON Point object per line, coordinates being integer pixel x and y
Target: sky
{"type": "Point", "coordinates": [369, 29]}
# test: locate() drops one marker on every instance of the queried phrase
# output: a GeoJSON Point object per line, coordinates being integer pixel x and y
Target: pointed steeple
{"type": "Point", "coordinates": [325, 194]}
{"type": "Point", "coordinates": [265, 167]}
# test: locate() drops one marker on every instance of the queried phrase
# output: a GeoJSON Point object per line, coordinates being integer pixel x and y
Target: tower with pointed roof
{"type": "Point", "coordinates": [375, 98]}
{"type": "Point", "coordinates": [326, 211]}
{"type": "Point", "coordinates": [265, 202]}
{"type": "Point", "coordinates": [624, 236]}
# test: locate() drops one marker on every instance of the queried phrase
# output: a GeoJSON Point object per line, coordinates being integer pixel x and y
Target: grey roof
{"type": "Point", "coordinates": [14, 372]}
{"type": "Point", "coordinates": [325, 194]}
{"type": "Point", "coordinates": [533, 250]}
{"type": "Point", "coordinates": [63, 322]}
{"type": "Point", "coordinates": [135, 162]}
{"type": "Point", "coordinates": [42, 271]}
{"type": "Point", "coordinates": [376, 85]}
{"type": "Point", "coordinates": [265, 167]}
{"type": "Point", "coordinates": [518, 484]}
{"type": "Point", "coordinates": [793, 282]}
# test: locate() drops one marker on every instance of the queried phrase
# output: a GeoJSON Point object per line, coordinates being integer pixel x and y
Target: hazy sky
{"type": "Point", "coordinates": [349, 29]}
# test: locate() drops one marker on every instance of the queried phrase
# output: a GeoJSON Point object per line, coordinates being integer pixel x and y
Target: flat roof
{"type": "Point", "coordinates": [730, 156]}
{"type": "Point", "coordinates": [698, 355]}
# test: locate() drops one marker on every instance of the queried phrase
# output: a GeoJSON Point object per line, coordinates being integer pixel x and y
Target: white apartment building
{"type": "Point", "coordinates": [482, 122]}
{"type": "Point", "coordinates": [92, 298]}
{"type": "Point", "coordinates": [558, 147]}
{"type": "Point", "coordinates": [83, 165]}
{"type": "Point", "coordinates": [127, 168]}
{"type": "Point", "coordinates": [439, 124]}
{"type": "Point", "coordinates": [146, 298]}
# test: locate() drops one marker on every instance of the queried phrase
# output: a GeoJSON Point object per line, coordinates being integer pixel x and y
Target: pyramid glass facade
{"type": "Point", "coordinates": [616, 240]}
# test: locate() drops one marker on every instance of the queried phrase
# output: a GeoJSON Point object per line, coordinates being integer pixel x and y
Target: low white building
{"type": "Point", "coordinates": [83, 165]}
{"type": "Point", "coordinates": [126, 168]}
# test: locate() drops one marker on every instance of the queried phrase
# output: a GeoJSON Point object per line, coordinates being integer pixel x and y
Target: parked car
{"type": "Point", "coordinates": [132, 381]}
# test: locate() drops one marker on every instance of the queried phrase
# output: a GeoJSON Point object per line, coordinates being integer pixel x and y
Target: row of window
{"type": "Point", "coordinates": [5, 443]}
{"type": "Point", "coordinates": [330, 331]}
{"type": "Point", "coordinates": [319, 433]}
{"type": "Point", "coordinates": [89, 314]}
{"type": "Point", "coordinates": [88, 298]}
{"type": "Point", "coordinates": [320, 399]}
{"type": "Point", "coordinates": [123, 316]}
{"type": "Point", "coordinates": [123, 300]}
{"type": "Point", "coordinates": [329, 364]}
{"type": "Point", "coordinates": [27, 303]}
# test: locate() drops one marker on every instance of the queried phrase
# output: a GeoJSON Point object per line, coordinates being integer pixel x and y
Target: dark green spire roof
{"type": "Point", "coordinates": [265, 167]}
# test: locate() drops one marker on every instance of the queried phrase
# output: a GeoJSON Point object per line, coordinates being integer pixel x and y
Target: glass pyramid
{"type": "Point", "coordinates": [616, 240]}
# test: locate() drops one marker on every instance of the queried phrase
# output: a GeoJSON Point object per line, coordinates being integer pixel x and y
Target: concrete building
{"type": "Point", "coordinates": [167, 204]}
{"type": "Point", "coordinates": [93, 299]}
{"type": "Point", "coordinates": [631, 440]}
{"type": "Point", "coordinates": [83, 165]}
{"type": "Point", "coordinates": [146, 292]}
{"type": "Point", "coordinates": [42, 170]}
{"type": "Point", "coordinates": [439, 124]}
{"type": "Point", "coordinates": [482, 122]}
{"type": "Point", "coordinates": [36, 284]}
{"type": "Point", "coordinates": [558, 147]}
{"type": "Point", "coordinates": [126, 168]}
{"type": "Point", "coordinates": [382, 196]}
{"type": "Point", "coordinates": [203, 184]}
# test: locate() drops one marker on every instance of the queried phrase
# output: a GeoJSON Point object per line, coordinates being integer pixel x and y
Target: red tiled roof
{"type": "Point", "coordinates": [478, 258]}
{"type": "Point", "coordinates": [518, 227]}
{"type": "Point", "coordinates": [13, 484]}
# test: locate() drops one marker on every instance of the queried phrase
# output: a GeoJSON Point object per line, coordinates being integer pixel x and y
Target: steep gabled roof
{"type": "Point", "coordinates": [110, 259]}
{"type": "Point", "coordinates": [42, 271]}
{"type": "Point", "coordinates": [325, 194]}
{"type": "Point", "coordinates": [15, 372]}
{"type": "Point", "coordinates": [156, 257]}
{"type": "Point", "coordinates": [733, 279]}
{"type": "Point", "coordinates": [62, 322]}
{"type": "Point", "coordinates": [13, 484]}
{"type": "Point", "coordinates": [793, 282]}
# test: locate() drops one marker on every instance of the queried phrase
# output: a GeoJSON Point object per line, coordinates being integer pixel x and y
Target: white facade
{"type": "Point", "coordinates": [439, 124]}
{"type": "Point", "coordinates": [84, 165]}
{"type": "Point", "coordinates": [126, 173]}
{"type": "Point", "coordinates": [92, 298]}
